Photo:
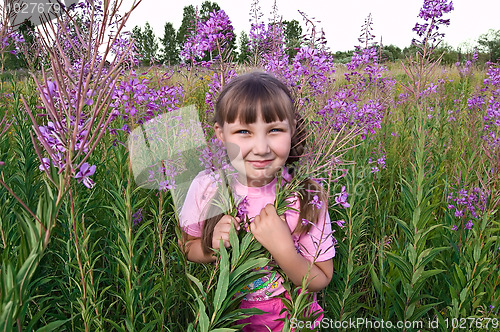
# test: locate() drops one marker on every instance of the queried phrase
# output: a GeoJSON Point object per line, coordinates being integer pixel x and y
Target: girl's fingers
{"type": "Point", "coordinates": [256, 220]}
{"type": "Point", "coordinates": [225, 240]}
{"type": "Point", "coordinates": [236, 222]}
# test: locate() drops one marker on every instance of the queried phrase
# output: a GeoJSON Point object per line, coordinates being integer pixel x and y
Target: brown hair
{"type": "Point", "coordinates": [245, 98]}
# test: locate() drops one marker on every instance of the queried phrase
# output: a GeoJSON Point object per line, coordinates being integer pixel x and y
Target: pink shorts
{"type": "Point", "coordinates": [264, 322]}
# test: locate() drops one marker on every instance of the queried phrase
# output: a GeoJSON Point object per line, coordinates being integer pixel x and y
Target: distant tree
{"type": "Point", "coordinates": [187, 25]}
{"type": "Point", "coordinates": [293, 37]}
{"type": "Point", "coordinates": [145, 43]}
{"type": "Point", "coordinates": [169, 51]}
{"type": "Point", "coordinates": [150, 44]}
{"type": "Point", "coordinates": [410, 50]}
{"type": "Point", "coordinates": [343, 57]}
{"type": "Point", "coordinates": [448, 55]}
{"type": "Point", "coordinates": [244, 48]}
{"type": "Point", "coordinates": [490, 43]}
{"type": "Point", "coordinates": [443, 51]}
{"type": "Point", "coordinates": [391, 53]}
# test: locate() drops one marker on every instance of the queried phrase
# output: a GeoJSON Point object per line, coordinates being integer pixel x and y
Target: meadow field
{"type": "Point", "coordinates": [88, 244]}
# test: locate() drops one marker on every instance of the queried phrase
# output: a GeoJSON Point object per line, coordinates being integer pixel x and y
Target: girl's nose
{"type": "Point", "coordinates": [261, 146]}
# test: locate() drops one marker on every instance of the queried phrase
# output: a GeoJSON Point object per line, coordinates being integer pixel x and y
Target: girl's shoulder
{"type": "Point", "coordinates": [206, 179]}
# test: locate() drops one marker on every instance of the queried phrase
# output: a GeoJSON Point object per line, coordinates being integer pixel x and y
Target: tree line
{"type": "Point", "coordinates": [166, 49]}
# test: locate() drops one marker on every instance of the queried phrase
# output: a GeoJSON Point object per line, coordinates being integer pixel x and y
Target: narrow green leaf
{"type": "Point", "coordinates": [375, 280]}
{"type": "Point", "coordinates": [6, 316]}
{"type": "Point", "coordinates": [53, 326]}
{"type": "Point", "coordinates": [26, 271]}
{"type": "Point", "coordinates": [223, 282]}
{"type": "Point", "coordinates": [460, 275]}
{"type": "Point", "coordinates": [463, 294]}
{"type": "Point", "coordinates": [203, 318]}
{"type": "Point", "coordinates": [477, 252]}
{"type": "Point", "coordinates": [429, 255]}
{"type": "Point", "coordinates": [197, 283]}
{"type": "Point", "coordinates": [404, 226]}
{"type": "Point", "coordinates": [235, 245]}
{"type": "Point", "coordinates": [248, 265]}
{"type": "Point", "coordinates": [403, 266]}
{"type": "Point", "coordinates": [245, 243]}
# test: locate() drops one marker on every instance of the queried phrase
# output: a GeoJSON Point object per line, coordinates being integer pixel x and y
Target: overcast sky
{"type": "Point", "coordinates": [393, 20]}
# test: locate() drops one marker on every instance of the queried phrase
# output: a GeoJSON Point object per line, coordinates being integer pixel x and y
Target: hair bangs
{"type": "Point", "coordinates": [252, 95]}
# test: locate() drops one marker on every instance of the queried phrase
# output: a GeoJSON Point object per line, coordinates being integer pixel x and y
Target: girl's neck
{"type": "Point", "coordinates": [255, 182]}
{"type": "Point", "coordinates": [242, 189]}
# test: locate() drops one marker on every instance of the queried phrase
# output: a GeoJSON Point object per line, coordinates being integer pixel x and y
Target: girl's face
{"type": "Point", "coordinates": [256, 150]}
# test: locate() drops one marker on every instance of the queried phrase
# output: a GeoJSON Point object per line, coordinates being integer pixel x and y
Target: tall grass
{"type": "Point", "coordinates": [107, 258]}
{"type": "Point", "coordinates": [398, 258]}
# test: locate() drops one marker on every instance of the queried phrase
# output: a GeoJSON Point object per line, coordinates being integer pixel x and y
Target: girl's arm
{"type": "Point", "coordinates": [296, 267]}
{"type": "Point", "coordinates": [193, 249]}
{"type": "Point", "coordinates": [192, 245]}
{"type": "Point", "coordinates": [274, 234]}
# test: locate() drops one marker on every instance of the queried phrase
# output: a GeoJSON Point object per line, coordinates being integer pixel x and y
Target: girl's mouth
{"type": "Point", "coordinates": [260, 163]}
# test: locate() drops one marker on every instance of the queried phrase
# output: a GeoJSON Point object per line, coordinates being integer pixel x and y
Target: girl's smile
{"type": "Point", "coordinates": [257, 150]}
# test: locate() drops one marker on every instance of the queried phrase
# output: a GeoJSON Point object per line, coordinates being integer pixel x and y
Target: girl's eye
{"type": "Point", "coordinates": [243, 131]}
{"type": "Point", "coordinates": [275, 130]}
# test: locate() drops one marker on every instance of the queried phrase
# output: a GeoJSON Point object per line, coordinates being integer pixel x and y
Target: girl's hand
{"type": "Point", "coordinates": [221, 231]}
{"type": "Point", "coordinates": [272, 231]}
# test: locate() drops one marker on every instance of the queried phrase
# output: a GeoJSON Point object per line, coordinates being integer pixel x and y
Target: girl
{"type": "Point", "coordinates": [255, 119]}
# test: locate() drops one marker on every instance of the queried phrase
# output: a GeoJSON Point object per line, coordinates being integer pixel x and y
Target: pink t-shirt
{"type": "Point", "coordinates": [317, 242]}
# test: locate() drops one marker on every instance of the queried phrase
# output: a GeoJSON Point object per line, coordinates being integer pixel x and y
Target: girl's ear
{"type": "Point", "coordinates": [218, 132]}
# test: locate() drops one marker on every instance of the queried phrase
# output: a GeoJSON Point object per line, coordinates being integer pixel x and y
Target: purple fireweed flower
{"type": "Point", "coordinates": [84, 173]}
{"type": "Point", "coordinates": [167, 185]}
{"type": "Point", "coordinates": [140, 100]}
{"type": "Point", "coordinates": [242, 209]}
{"type": "Point", "coordinates": [469, 224]}
{"type": "Point", "coordinates": [137, 216]}
{"type": "Point", "coordinates": [215, 86]}
{"type": "Point", "coordinates": [467, 203]}
{"type": "Point", "coordinates": [340, 223]}
{"type": "Point", "coordinates": [432, 12]}
{"type": "Point", "coordinates": [216, 32]}
{"type": "Point", "coordinates": [214, 157]}
{"type": "Point", "coordinates": [344, 109]}
{"type": "Point", "coordinates": [381, 162]}
{"type": "Point", "coordinates": [45, 165]}
{"type": "Point", "coordinates": [341, 198]}
{"type": "Point", "coordinates": [454, 228]}
{"type": "Point", "coordinates": [305, 222]}
{"type": "Point", "coordinates": [50, 90]}
{"type": "Point", "coordinates": [316, 202]}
